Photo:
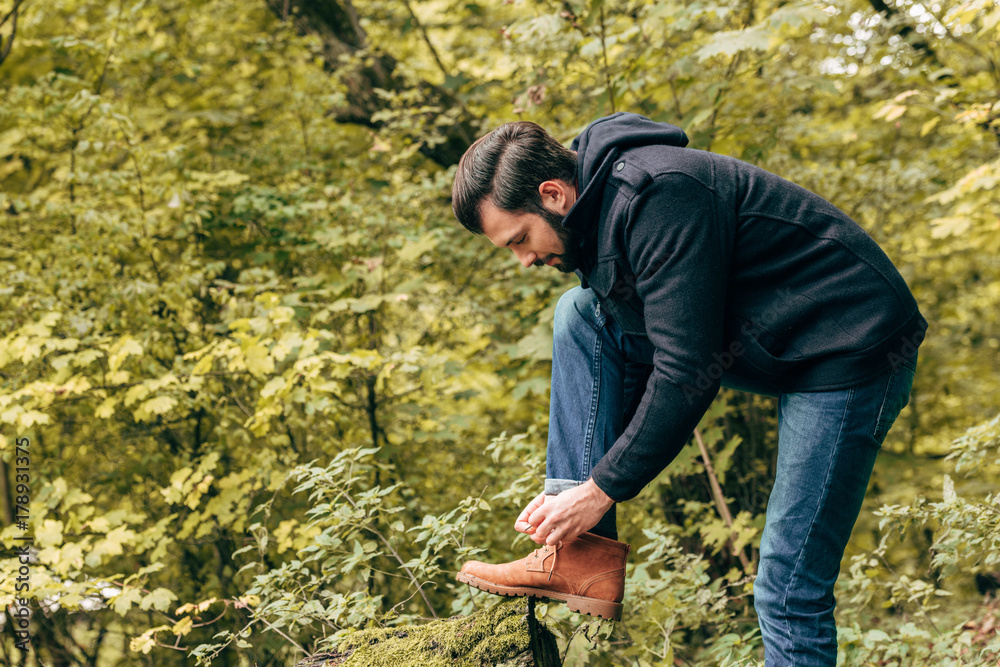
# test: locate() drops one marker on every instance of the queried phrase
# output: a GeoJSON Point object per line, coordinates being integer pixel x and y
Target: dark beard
{"type": "Point", "coordinates": [572, 240]}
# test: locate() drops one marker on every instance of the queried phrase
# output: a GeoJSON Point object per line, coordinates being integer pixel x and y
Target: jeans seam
{"type": "Point", "coordinates": [890, 385]}
{"type": "Point", "coordinates": [885, 400]}
{"type": "Point", "coordinates": [812, 524]}
{"type": "Point", "coordinates": [595, 399]}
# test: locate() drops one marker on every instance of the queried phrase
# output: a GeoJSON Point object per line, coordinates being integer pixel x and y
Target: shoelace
{"type": "Point", "coordinates": [555, 555]}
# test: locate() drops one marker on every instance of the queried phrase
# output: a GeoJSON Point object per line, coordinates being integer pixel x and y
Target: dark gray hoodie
{"type": "Point", "coordinates": [735, 275]}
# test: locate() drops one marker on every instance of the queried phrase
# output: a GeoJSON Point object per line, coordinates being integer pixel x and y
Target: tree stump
{"type": "Point", "coordinates": [506, 634]}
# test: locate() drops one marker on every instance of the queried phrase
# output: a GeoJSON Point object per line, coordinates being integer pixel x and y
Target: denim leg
{"type": "Point", "coordinates": [596, 372]}
{"type": "Point", "coordinates": [827, 444]}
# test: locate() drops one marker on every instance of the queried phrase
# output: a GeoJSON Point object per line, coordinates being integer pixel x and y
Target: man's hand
{"type": "Point", "coordinates": [551, 519]}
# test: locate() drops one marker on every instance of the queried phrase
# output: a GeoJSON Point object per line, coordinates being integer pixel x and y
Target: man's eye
{"type": "Point", "coordinates": [521, 240]}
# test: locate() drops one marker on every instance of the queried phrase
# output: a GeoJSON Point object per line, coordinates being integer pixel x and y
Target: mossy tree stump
{"type": "Point", "coordinates": [507, 634]}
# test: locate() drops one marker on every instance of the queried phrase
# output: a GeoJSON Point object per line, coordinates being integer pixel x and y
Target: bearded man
{"type": "Point", "coordinates": [697, 270]}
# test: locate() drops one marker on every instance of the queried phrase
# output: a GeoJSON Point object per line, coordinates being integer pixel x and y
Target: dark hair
{"type": "Point", "coordinates": [506, 166]}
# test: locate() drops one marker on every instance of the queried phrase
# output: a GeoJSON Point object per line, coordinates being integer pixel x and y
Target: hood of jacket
{"type": "Point", "coordinates": [596, 149]}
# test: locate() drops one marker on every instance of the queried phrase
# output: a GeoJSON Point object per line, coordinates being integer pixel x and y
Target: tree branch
{"type": "Point", "coordinates": [12, 14]}
{"type": "Point", "coordinates": [427, 39]}
{"type": "Point", "coordinates": [607, 68]}
{"type": "Point", "coordinates": [720, 501]}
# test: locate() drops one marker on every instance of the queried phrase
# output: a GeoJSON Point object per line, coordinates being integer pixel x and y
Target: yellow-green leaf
{"type": "Point", "coordinates": [258, 360]}
{"type": "Point", "coordinates": [160, 599]}
{"type": "Point", "coordinates": [122, 602]}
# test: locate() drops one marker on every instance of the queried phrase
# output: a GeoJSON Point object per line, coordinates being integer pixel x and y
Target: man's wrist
{"type": "Point", "coordinates": [598, 494]}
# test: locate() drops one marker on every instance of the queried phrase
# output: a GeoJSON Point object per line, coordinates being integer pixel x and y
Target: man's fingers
{"type": "Point", "coordinates": [546, 533]}
{"type": "Point", "coordinates": [536, 502]}
{"type": "Point", "coordinates": [522, 524]}
{"type": "Point", "coordinates": [534, 527]}
{"type": "Point", "coordinates": [538, 516]}
{"type": "Point", "coordinates": [539, 531]}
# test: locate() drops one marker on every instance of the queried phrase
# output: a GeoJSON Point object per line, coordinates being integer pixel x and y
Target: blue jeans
{"type": "Point", "coordinates": [827, 444]}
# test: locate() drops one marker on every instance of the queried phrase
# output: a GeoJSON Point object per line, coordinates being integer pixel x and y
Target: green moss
{"type": "Point", "coordinates": [494, 636]}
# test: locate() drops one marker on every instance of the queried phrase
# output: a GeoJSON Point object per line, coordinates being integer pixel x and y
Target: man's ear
{"type": "Point", "coordinates": [557, 195]}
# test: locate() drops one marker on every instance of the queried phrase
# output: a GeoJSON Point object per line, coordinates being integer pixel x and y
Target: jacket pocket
{"type": "Point", "coordinates": [619, 297]}
{"type": "Point", "coordinates": [759, 344]}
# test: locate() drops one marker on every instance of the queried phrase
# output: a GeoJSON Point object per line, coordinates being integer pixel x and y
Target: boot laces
{"type": "Point", "coordinates": [555, 555]}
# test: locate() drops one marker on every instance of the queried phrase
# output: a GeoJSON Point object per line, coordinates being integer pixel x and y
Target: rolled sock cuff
{"type": "Point", "coordinates": [553, 487]}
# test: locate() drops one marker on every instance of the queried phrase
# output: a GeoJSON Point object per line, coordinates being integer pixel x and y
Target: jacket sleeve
{"type": "Point", "coordinates": [675, 246]}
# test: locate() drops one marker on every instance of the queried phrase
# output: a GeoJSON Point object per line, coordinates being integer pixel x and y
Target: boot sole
{"type": "Point", "coordinates": [611, 611]}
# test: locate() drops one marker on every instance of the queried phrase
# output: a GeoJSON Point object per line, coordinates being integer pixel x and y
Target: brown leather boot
{"type": "Point", "coordinates": [587, 573]}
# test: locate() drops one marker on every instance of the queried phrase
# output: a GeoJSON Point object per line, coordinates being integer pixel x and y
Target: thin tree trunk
{"type": "Point", "coordinates": [720, 502]}
{"type": "Point", "coordinates": [6, 508]}
{"type": "Point", "coordinates": [336, 23]}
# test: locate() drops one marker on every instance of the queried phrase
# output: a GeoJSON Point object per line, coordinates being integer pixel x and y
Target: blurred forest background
{"type": "Point", "coordinates": [275, 394]}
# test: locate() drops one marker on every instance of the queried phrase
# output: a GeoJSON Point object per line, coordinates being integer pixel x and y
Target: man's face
{"type": "Point", "coordinates": [537, 240]}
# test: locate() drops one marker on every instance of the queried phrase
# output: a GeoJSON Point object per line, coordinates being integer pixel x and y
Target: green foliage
{"type": "Point", "coordinates": [966, 540]}
{"type": "Point", "coordinates": [675, 599]}
{"type": "Point", "coordinates": [354, 543]}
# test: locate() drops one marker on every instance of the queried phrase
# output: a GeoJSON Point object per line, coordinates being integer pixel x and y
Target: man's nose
{"type": "Point", "coordinates": [526, 257]}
